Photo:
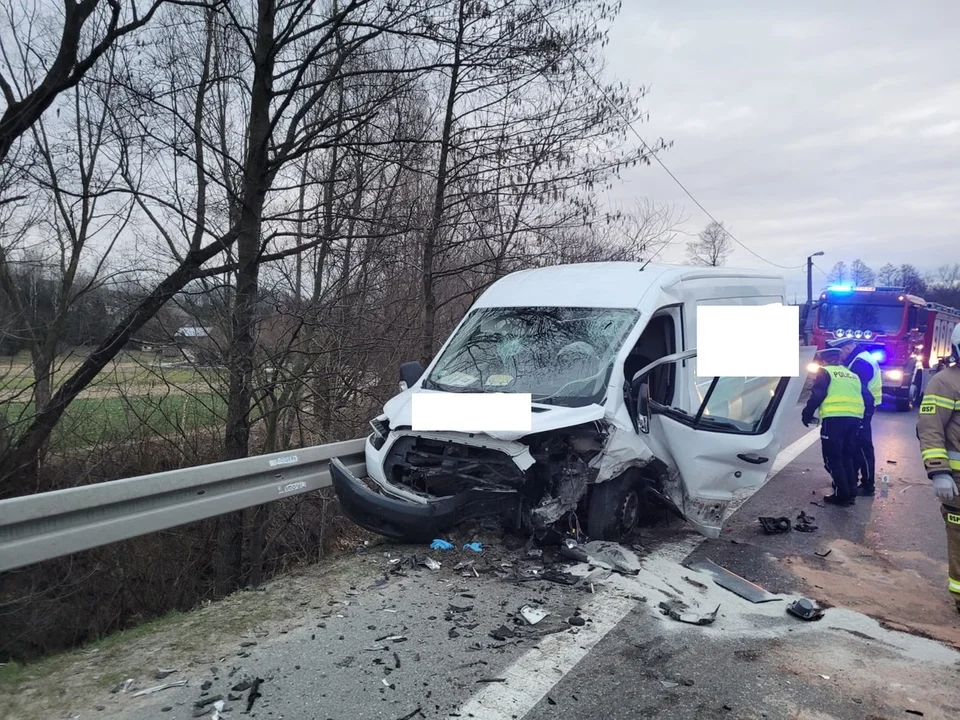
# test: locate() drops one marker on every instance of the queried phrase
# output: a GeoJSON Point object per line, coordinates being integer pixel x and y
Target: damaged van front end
{"type": "Point", "coordinates": [619, 421]}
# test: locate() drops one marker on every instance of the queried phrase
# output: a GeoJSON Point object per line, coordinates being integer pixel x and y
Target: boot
{"type": "Point", "coordinates": [840, 501]}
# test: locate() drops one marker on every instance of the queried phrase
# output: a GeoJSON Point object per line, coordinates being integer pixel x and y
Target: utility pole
{"type": "Point", "coordinates": [810, 278]}
{"type": "Point", "coordinates": [809, 313]}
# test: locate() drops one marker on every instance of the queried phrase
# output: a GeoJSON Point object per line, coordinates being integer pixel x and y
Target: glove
{"type": "Point", "coordinates": [944, 487]}
{"type": "Point", "coordinates": [807, 421]}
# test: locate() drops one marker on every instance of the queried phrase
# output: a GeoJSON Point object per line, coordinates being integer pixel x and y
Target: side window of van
{"type": "Point", "coordinates": [742, 401]}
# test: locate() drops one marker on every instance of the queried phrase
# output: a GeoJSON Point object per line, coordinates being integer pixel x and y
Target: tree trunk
{"type": "Point", "coordinates": [432, 238]}
{"type": "Point", "coordinates": [244, 312]}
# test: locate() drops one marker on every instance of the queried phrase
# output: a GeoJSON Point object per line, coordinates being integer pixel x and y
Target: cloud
{"type": "Point", "coordinates": [803, 126]}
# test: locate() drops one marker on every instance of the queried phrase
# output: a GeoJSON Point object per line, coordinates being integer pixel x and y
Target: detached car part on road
{"type": "Point", "coordinates": [620, 419]}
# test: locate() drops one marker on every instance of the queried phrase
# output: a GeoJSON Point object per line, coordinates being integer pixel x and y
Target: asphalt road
{"type": "Point", "coordinates": [419, 644]}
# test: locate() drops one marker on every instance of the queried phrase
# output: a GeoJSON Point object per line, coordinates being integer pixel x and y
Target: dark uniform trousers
{"type": "Point", "coordinates": [838, 440]}
{"type": "Point", "coordinates": [866, 457]}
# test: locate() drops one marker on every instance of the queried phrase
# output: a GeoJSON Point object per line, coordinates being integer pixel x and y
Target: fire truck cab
{"type": "Point", "coordinates": [908, 336]}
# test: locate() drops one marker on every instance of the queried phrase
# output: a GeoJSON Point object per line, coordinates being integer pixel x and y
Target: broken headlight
{"type": "Point", "coordinates": [381, 428]}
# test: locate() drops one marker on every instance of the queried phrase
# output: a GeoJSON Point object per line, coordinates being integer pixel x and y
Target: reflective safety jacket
{"type": "Point", "coordinates": [938, 423]}
{"type": "Point", "coordinates": [837, 392]}
{"type": "Point", "coordinates": [867, 368]}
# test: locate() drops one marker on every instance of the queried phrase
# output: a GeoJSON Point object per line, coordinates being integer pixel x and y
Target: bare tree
{"type": "Point", "coordinates": [89, 29]}
{"type": "Point", "coordinates": [712, 247]}
{"type": "Point", "coordinates": [861, 274]}
{"type": "Point", "coordinates": [889, 275]}
{"type": "Point", "coordinates": [838, 273]}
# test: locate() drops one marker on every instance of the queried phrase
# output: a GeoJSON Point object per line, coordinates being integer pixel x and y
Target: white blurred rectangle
{"type": "Point", "coordinates": [748, 341]}
{"type": "Point", "coordinates": [471, 412]}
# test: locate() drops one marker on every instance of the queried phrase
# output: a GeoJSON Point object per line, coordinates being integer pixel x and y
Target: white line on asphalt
{"type": "Point", "coordinates": [538, 670]}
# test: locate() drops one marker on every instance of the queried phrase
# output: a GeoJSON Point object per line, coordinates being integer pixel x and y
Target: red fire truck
{"type": "Point", "coordinates": [908, 336]}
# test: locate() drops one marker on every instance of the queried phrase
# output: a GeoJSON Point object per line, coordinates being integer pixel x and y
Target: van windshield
{"type": "Point", "coordinates": [562, 356]}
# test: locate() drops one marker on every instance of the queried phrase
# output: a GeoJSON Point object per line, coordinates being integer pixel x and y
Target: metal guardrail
{"type": "Point", "coordinates": [53, 524]}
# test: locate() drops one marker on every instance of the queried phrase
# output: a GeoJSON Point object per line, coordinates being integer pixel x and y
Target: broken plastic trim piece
{"type": "Point", "coordinates": [688, 616]}
{"type": "Point", "coordinates": [804, 609]}
{"type": "Point", "coordinates": [774, 526]}
{"type": "Point", "coordinates": [734, 583]}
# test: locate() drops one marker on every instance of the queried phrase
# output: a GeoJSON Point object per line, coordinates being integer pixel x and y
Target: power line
{"type": "Point", "coordinates": [656, 157]}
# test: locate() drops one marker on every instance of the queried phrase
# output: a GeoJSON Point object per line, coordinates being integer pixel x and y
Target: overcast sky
{"type": "Point", "coordinates": [803, 126]}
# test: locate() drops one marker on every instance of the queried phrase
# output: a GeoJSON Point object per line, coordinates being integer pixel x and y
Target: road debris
{"type": "Point", "coordinates": [532, 614]}
{"type": "Point", "coordinates": [254, 693]}
{"type": "Point", "coordinates": [502, 633]}
{"type": "Point", "coordinates": [804, 609]}
{"type": "Point", "coordinates": [818, 504]}
{"type": "Point", "coordinates": [774, 526]}
{"type": "Point", "coordinates": [429, 562]}
{"type": "Point", "coordinates": [734, 583]}
{"type": "Point", "coordinates": [804, 523]}
{"type": "Point", "coordinates": [158, 688]}
{"type": "Point", "coordinates": [698, 585]}
{"type": "Point", "coordinates": [492, 680]}
{"type": "Point", "coordinates": [669, 684]}
{"type": "Point", "coordinates": [439, 544]}
{"type": "Point", "coordinates": [418, 711]}
{"type": "Point", "coordinates": [475, 546]}
{"type": "Point", "coordinates": [682, 614]}
{"type": "Point", "coordinates": [607, 555]}
{"type": "Point", "coordinates": [823, 553]}
{"type": "Point", "coordinates": [576, 621]}
{"type": "Point", "coordinates": [128, 683]}
{"type": "Point", "coordinates": [162, 673]}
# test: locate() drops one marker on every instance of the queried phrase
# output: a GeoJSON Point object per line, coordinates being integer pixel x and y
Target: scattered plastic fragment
{"type": "Point", "coordinates": [203, 702]}
{"type": "Point", "coordinates": [492, 680]}
{"type": "Point", "coordinates": [669, 684]}
{"type": "Point", "coordinates": [254, 693]}
{"type": "Point", "coordinates": [158, 688]}
{"type": "Point", "coordinates": [532, 614]}
{"type": "Point", "coordinates": [161, 673]}
{"type": "Point", "coordinates": [804, 609]}
{"type": "Point", "coordinates": [774, 526]}
{"type": "Point", "coordinates": [687, 616]}
{"type": "Point", "coordinates": [127, 685]}
{"type": "Point", "coordinates": [418, 711]}
{"type": "Point", "coordinates": [823, 553]}
{"type": "Point", "coordinates": [734, 583]}
{"type": "Point", "coordinates": [439, 544]}
{"type": "Point", "coordinates": [825, 677]}
{"type": "Point", "coordinates": [475, 546]}
{"type": "Point", "coordinates": [804, 523]}
{"type": "Point", "coordinates": [607, 555]}
{"type": "Point", "coordinates": [502, 633]}
{"type": "Point", "coordinates": [430, 563]}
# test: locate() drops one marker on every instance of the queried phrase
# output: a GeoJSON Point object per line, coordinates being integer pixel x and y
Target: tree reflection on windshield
{"type": "Point", "coordinates": [559, 355]}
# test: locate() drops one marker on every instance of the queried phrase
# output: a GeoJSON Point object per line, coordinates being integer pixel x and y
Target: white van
{"type": "Point", "coordinates": [619, 417]}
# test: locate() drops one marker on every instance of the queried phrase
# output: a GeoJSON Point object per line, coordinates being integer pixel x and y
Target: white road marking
{"type": "Point", "coordinates": [538, 670]}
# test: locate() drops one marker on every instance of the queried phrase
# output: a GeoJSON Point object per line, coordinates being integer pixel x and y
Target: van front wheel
{"type": "Point", "coordinates": [614, 510]}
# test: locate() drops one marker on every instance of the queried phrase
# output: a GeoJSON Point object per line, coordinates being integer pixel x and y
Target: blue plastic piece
{"type": "Point", "coordinates": [475, 546]}
{"type": "Point", "coordinates": [441, 545]}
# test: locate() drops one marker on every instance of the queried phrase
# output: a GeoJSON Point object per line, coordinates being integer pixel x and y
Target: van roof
{"type": "Point", "coordinates": [599, 284]}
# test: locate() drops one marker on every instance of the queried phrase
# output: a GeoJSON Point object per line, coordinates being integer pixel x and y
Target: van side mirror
{"type": "Point", "coordinates": [643, 400]}
{"type": "Point", "coordinates": [410, 372]}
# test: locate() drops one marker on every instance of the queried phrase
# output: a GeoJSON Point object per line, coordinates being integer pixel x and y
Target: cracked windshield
{"type": "Point", "coordinates": [561, 356]}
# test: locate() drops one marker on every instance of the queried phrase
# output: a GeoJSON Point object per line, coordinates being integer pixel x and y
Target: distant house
{"type": "Point", "coordinates": [197, 344]}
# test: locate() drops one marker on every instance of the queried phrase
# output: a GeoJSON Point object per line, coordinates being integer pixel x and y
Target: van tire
{"type": "Point", "coordinates": [615, 508]}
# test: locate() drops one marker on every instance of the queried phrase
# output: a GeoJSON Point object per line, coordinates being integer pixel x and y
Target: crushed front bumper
{"type": "Point", "coordinates": [407, 520]}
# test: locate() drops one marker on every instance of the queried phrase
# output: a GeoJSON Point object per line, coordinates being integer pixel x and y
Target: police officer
{"type": "Point", "coordinates": [841, 399]}
{"type": "Point", "coordinates": [865, 367]}
{"type": "Point", "coordinates": [938, 427]}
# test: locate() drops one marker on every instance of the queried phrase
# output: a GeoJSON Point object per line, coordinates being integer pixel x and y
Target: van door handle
{"type": "Point", "coordinates": [753, 458]}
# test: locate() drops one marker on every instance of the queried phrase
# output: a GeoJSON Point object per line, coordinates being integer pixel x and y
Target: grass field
{"type": "Point", "coordinates": [134, 397]}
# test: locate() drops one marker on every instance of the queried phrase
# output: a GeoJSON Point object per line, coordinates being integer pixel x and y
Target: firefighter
{"type": "Point", "coordinates": [938, 428]}
{"type": "Point", "coordinates": [864, 366]}
{"type": "Point", "coordinates": [841, 399]}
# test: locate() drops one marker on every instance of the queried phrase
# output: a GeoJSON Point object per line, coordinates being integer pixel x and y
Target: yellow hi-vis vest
{"type": "Point", "coordinates": [876, 382]}
{"type": "Point", "coordinates": [844, 394]}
